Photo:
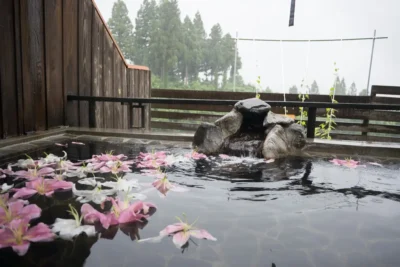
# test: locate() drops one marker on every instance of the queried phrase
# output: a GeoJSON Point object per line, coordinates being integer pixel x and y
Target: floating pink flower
{"type": "Point", "coordinates": [163, 185]}
{"type": "Point", "coordinates": [33, 174]}
{"type": "Point", "coordinates": [18, 210]}
{"type": "Point", "coordinates": [18, 235]}
{"type": "Point", "coordinates": [116, 167]}
{"type": "Point", "coordinates": [195, 155]}
{"type": "Point", "coordinates": [153, 172]}
{"type": "Point", "coordinates": [107, 157]}
{"type": "Point", "coordinates": [42, 187]}
{"type": "Point", "coordinates": [223, 156]}
{"type": "Point", "coordinates": [4, 172]}
{"type": "Point", "coordinates": [347, 162]}
{"type": "Point", "coordinates": [152, 160]}
{"type": "Point", "coordinates": [181, 232]}
{"type": "Point", "coordinates": [122, 211]}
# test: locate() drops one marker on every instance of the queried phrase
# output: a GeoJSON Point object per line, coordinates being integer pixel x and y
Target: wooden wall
{"type": "Point", "coordinates": [51, 48]}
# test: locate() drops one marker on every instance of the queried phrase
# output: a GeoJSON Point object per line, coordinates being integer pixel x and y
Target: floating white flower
{"type": "Point", "coordinates": [122, 184]}
{"type": "Point", "coordinates": [97, 195]}
{"type": "Point", "coordinates": [68, 228]}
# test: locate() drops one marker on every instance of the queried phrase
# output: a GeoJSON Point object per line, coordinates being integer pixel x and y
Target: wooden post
{"type": "Point", "coordinates": [92, 114]}
{"type": "Point", "coordinates": [312, 117]}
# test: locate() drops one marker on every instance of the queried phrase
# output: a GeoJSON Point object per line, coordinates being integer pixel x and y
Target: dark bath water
{"type": "Point", "coordinates": [294, 212]}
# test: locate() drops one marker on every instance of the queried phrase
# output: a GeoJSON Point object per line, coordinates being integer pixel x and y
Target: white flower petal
{"type": "Point", "coordinates": [67, 228]}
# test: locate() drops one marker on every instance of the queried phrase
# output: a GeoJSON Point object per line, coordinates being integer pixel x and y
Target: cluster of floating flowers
{"type": "Point", "coordinates": [51, 174]}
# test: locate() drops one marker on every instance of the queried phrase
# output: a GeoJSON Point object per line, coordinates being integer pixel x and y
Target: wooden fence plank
{"type": "Point", "coordinates": [117, 89]}
{"type": "Point", "coordinates": [97, 65]}
{"type": "Point", "coordinates": [54, 58]}
{"type": "Point", "coordinates": [184, 116]}
{"type": "Point", "coordinates": [130, 88]}
{"type": "Point", "coordinates": [84, 60]}
{"type": "Point", "coordinates": [108, 80]}
{"type": "Point", "coordinates": [196, 94]}
{"type": "Point", "coordinates": [136, 112]}
{"type": "Point", "coordinates": [387, 90]}
{"type": "Point", "coordinates": [174, 126]}
{"type": "Point", "coordinates": [70, 63]}
{"type": "Point", "coordinates": [124, 94]}
{"type": "Point", "coordinates": [9, 109]}
{"type": "Point", "coordinates": [33, 74]}
{"type": "Point", "coordinates": [18, 65]}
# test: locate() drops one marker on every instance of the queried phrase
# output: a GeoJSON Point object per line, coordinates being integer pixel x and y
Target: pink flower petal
{"type": "Point", "coordinates": [21, 249]}
{"type": "Point", "coordinates": [173, 228]}
{"type": "Point", "coordinates": [202, 234]}
{"type": "Point", "coordinates": [31, 211]}
{"type": "Point", "coordinates": [91, 215]}
{"type": "Point", "coordinates": [180, 238]}
{"type": "Point", "coordinates": [39, 233]}
{"type": "Point", "coordinates": [223, 156]}
{"type": "Point", "coordinates": [24, 193]}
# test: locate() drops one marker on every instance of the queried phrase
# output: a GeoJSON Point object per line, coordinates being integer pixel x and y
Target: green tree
{"type": "Point", "coordinates": [343, 88]}
{"type": "Point", "coordinates": [314, 90]}
{"type": "Point", "coordinates": [293, 90]}
{"type": "Point", "coordinates": [146, 34]}
{"type": "Point", "coordinates": [122, 28]}
{"type": "Point", "coordinates": [340, 86]}
{"type": "Point", "coordinates": [268, 90]}
{"type": "Point", "coordinates": [187, 56]}
{"type": "Point", "coordinates": [169, 43]}
{"type": "Point", "coordinates": [214, 56]}
{"type": "Point", "coordinates": [228, 58]}
{"type": "Point", "coordinates": [363, 92]}
{"type": "Point", "coordinates": [200, 36]}
{"type": "Point", "coordinates": [353, 89]}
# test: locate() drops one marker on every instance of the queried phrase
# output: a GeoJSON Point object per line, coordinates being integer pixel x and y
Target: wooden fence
{"type": "Point", "coordinates": [352, 124]}
{"type": "Point", "coordinates": [51, 48]}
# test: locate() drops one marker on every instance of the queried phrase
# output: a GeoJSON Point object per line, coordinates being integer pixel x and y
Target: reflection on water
{"type": "Point", "coordinates": [292, 212]}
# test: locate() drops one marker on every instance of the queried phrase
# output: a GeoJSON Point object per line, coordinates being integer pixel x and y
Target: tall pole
{"type": "Point", "coordinates": [234, 66]}
{"type": "Point", "coordinates": [370, 62]}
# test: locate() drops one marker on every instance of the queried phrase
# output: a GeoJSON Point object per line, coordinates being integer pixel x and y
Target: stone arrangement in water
{"type": "Point", "coordinates": [251, 128]}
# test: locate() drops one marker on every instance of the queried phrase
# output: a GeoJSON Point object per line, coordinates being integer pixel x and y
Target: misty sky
{"type": "Point", "coordinates": [315, 19]}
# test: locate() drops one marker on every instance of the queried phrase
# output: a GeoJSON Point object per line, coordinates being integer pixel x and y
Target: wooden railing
{"type": "Point", "coordinates": [358, 119]}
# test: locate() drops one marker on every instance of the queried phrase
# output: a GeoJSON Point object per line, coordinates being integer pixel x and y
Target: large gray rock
{"type": "Point", "coordinates": [296, 136]}
{"type": "Point", "coordinates": [208, 138]}
{"type": "Point", "coordinates": [273, 118]}
{"type": "Point", "coordinates": [252, 106]}
{"type": "Point", "coordinates": [254, 111]}
{"type": "Point", "coordinates": [275, 145]}
{"type": "Point", "coordinates": [230, 123]}
{"type": "Point", "coordinates": [284, 141]}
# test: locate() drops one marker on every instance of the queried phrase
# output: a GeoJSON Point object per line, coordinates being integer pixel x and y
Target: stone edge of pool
{"type": "Point", "coordinates": [18, 145]}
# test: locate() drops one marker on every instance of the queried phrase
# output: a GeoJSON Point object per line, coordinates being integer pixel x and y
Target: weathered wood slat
{"type": "Point", "coordinates": [97, 65]}
{"type": "Point", "coordinates": [124, 88]}
{"type": "Point", "coordinates": [130, 88]}
{"type": "Point", "coordinates": [18, 66]}
{"type": "Point", "coordinates": [197, 94]}
{"type": "Point", "coordinates": [136, 112]}
{"type": "Point", "coordinates": [108, 56]}
{"type": "Point", "coordinates": [33, 69]}
{"type": "Point", "coordinates": [54, 58]}
{"type": "Point", "coordinates": [364, 138]}
{"type": "Point", "coordinates": [184, 116]}
{"type": "Point", "coordinates": [386, 90]}
{"type": "Point", "coordinates": [70, 63]}
{"type": "Point", "coordinates": [174, 126]}
{"type": "Point", "coordinates": [9, 109]}
{"type": "Point", "coordinates": [147, 88]}
{"type": "Point", "coordinates": [84, 59]}
{"type": "Point", "coordinates": [117, 89]}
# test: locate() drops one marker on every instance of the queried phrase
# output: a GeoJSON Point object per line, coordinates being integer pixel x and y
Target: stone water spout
{"type": "Point", "coordinates": [251, 128]}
